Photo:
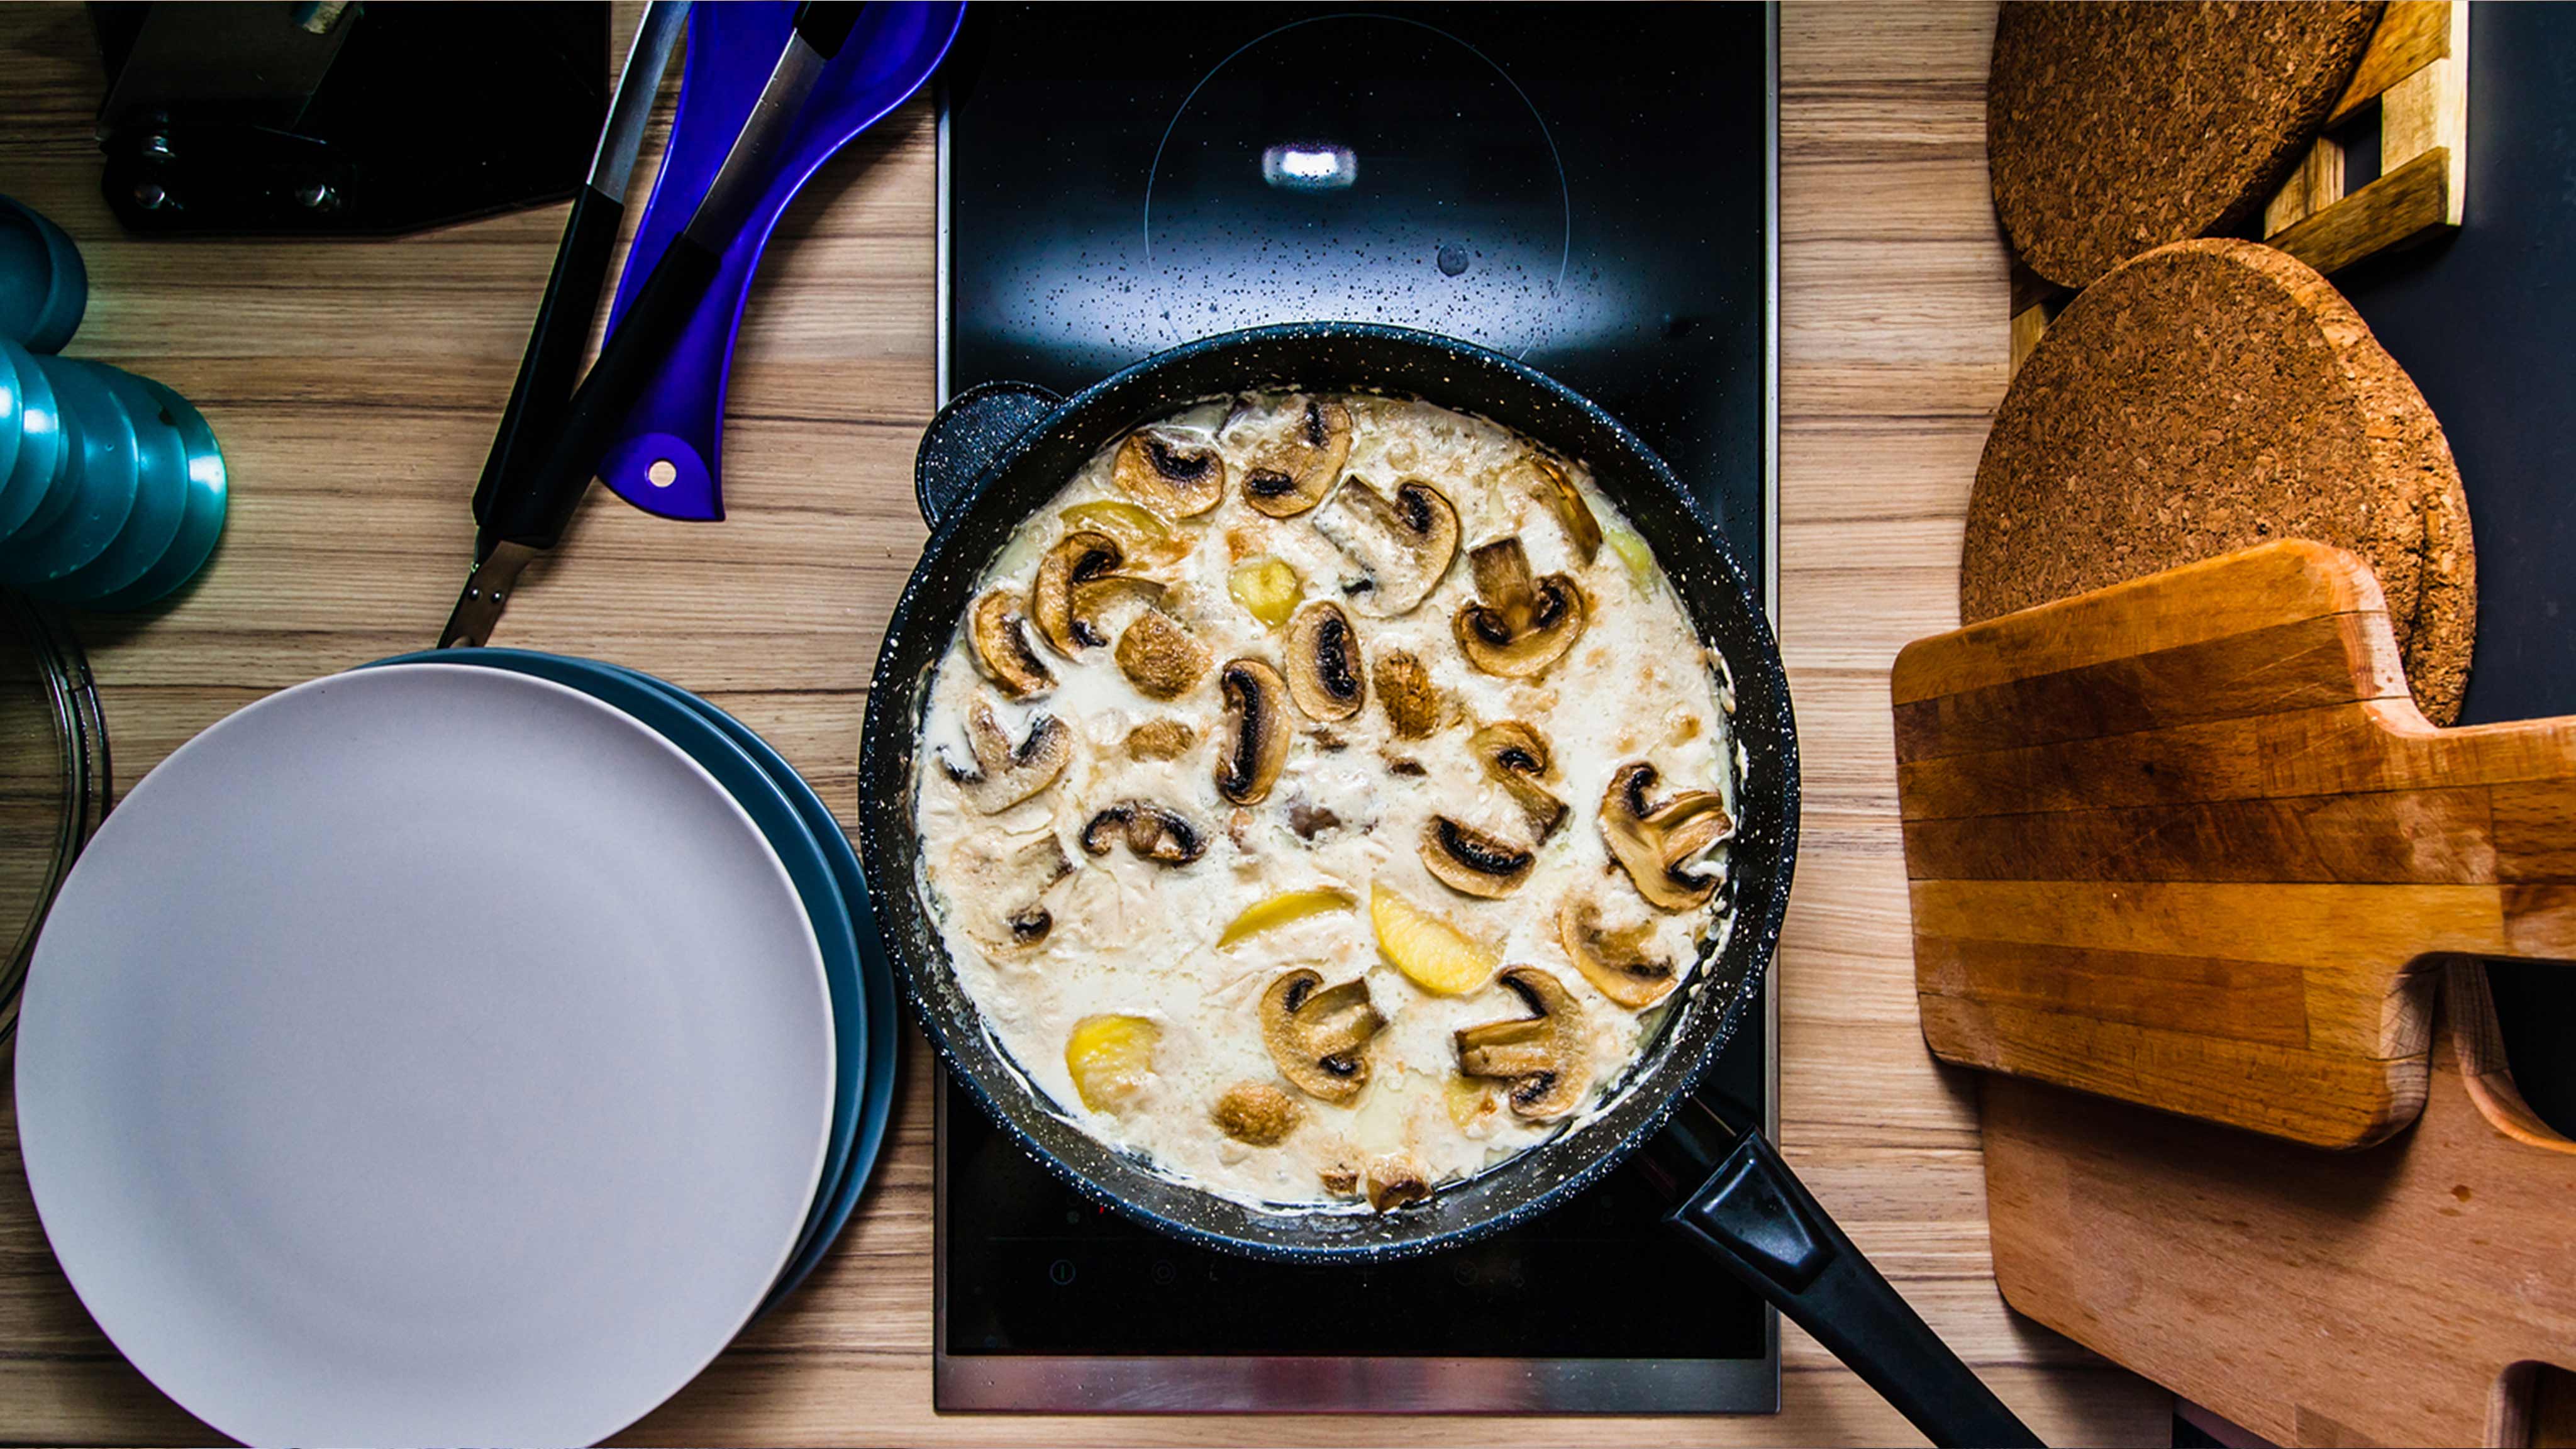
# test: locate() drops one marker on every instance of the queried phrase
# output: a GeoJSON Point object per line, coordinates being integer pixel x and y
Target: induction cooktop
{"type": "Point", "coordinates": [1588, 188]}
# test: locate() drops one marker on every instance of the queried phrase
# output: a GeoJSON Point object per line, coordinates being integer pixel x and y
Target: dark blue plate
{"type": "Point", "coordinates": [681, 719]}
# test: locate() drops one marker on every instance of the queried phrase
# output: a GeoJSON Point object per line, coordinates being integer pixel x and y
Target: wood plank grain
{"type": "Point", "coordinates": [2411, 201]}
{"type": "Point", "coordinates": [2379, 745]}
{"type": "Point", "coordinates": [2386, 1296]}
{"type": "Point", "coordinates": [2301, 664]}
{"type": "Point", "coordinates": [2275, 584]}
{"type": "Point", "coordinates": [2411, 35]}
{"type": "Point", "coordinates": [2422, 837]}
{"type": "Point", "coordinates": [2335, 1102]}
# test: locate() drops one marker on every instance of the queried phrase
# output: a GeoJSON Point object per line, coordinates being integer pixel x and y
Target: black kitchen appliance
{"type": "Point", "coordinates": [1585, 188]}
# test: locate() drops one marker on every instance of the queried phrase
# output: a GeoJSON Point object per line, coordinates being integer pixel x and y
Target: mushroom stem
{"type": "Point", "coordinates": [1519, 625]}
{"type": "Point", "coordinates": [1542, 1055]}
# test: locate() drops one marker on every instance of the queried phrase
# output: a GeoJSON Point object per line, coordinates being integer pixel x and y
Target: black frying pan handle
{"type": "Point", "coordinates": [968, 436]}
{"type": "Point", "coordinates": [1756, 1219]}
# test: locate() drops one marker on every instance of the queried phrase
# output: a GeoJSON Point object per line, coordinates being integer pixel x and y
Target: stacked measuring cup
{"type": "Point", "coordinates": [112, 488]}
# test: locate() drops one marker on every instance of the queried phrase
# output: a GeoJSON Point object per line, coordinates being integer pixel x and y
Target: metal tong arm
{"type": "Point", "coordinates": [1743, 1206]}
{"type": "Point", "coordinates": [526, 510]}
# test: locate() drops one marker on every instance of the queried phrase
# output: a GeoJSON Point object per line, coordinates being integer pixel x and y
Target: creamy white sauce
{"type": "Point", "coordinates": [1132, 937]}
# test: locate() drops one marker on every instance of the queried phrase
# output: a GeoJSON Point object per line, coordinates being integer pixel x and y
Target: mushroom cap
{"type": "Point", "coordinates": [1402, 545]}
{"type": "Point", "coordinates": [1518, 625]}
{"type": "Point", "coordinates": [1257, 1114]}
{"type": "Point", "coordinates": [1296, 472]}
{"type": "Point", "coordinates": [1174, 476]}
{"type": "Point", "coordinates": [1542, 1055]}
{"type": "Point", "coordinates": [1556, 489]}
{"type": "Point", "coordinates": [1319, 1038]}
{"type": "Point", "coordinates": [1161, 739]}
{"type": "Point", "coordinates": [1162, 659]}
{"type": "Point", "coordinates": [1077, 576]}
{"type": "Point", "coordinates": [1325, 673]}
{"type": "Point", "coordinates": [1617, 963]}
{"type": "Point", "coordinates": [1395, 1181]}
{"type": "Point", "coordinates": [1653, 843]}
{"type": "Point", "coordinates": [1165, 837]}
{"type": "Point", "coordinates": [1471, 862]}
{"type": "Point", "coordinates": [1405, 690]}
{"type": "Point", "coordinates": [1004, 774]}
{"type": "Point", "coordinates": [1001, 647]}
{"type": "Point", "coordinates": [997, 885]}
{"type": "Point", "coordinates": [1516, 757]}
{"type": "Point", "coordinates": [1256, 731]}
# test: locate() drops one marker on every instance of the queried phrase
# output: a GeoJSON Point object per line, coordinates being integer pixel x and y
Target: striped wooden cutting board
{"type": "Point", "coordinates": [2186, 842]}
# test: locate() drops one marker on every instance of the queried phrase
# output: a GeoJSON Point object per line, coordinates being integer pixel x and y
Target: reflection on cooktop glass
{"type": "Point", "coordinates": [1584, 188]}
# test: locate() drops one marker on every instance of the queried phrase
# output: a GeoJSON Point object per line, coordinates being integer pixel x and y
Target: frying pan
{"type": "Point", "coordinates": [998, 453]}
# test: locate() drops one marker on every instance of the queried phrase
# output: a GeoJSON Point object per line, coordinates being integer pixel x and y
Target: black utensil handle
{"type": "Point", "coordinates": [533, 508]}
{"type": "Point", "coordinates": [555, 343]}
{"type": "Point", "coordinates": [968, 437]}
{"type": "Point", "coordinates": [1754, 1217]}
{"type": "Point", "coordinates": [825, 24]}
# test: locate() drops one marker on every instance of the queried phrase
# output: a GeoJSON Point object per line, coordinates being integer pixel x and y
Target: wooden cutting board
{"type": "Point", "coordinates": [2406, 1294]}
{"type": "Point", "coordinates": [2186, 842]}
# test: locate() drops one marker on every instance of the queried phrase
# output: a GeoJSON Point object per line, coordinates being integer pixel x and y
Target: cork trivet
{"type": "Point", "coordinates": [2116, 127]}
{"type": "Point", "coordinates": [2210, 396]}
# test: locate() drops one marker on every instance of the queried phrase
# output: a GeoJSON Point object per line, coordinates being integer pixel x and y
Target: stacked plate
{"type": "Point", "coordinates": [112, 488]}
{"type": "Point", "coordinates": [458, 1050]}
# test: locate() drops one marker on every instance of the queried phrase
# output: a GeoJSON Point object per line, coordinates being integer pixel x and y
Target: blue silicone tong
{"type": "Point", "coordinates": [666, 458]}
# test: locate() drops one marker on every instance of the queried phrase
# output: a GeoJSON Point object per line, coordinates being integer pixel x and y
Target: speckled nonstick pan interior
{"type": "Point", "coordinates": [999, 453]}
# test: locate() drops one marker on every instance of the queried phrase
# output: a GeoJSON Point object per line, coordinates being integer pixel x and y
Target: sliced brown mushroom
{"type": "Point", "coordinates": [1542, 1055]}
{"type": "Point", "coordinates": [1402, 545]}
{"type": "Point", "coordinates": [1256, 731]}
{"type": "Point", "coordinates": [1319, 1039]}
{"type": "Point", "coordinates": [1520, 625]}
{"type": "Point", "coordinates": [1556, 489]}
{"type": "Point", "coordinates": [1394, 1182]}
{"type": "Point", "coordinates": [998, 887]}
{"type": "Point", "coordinates": [1002, 647]}
{"type": "Point", "coordinates": [1325, 675]}
{"type": "Point", "coordinates": [1469, 861]}
{"type": "Point", "coordinates": [1004, 774]}
{"type": "Point", "coordinates": [1077, 577]}
{"type": "Point", "coordinates": [1339, 1178]}
{"type": "Point", "coordinates": [1162, 659]}
{"type": "Point", "coordinates": [1295, 474]}
{"type": "Point", "coordinates": [1516, 757]}
{"type": "Point", "coordinates": [1161, 739]}
{"type": "Point", "coordinates": [1656, 843]}
{"type": "Point", "coordinates": [1404, 689]}
{"type": "Point", "coordinates": [1619, 963]}
{"type": "Point", "coordinates": [1171, 475]}
{"type": "Point", "coordinates": [1257, 1114]}
{"type": "Point", "coordinates": [1151, 832]}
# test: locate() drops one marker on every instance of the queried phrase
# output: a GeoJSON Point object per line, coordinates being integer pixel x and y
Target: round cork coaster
{"type": "Point", "coordinates": [2211, 396]}
{"type": "Point", "coordinates": [2116, 127]}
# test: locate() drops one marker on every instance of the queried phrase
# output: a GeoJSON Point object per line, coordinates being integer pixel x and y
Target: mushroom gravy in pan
{"type": "Point", "coordinates": [1324, 796]}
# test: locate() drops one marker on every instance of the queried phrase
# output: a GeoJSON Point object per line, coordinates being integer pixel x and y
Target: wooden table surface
{"type": "Point", "coordinates": [354, 387]}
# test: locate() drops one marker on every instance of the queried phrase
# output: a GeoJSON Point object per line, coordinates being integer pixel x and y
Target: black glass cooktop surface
{"type": "Point", "coordinates": [1587, 188]}
{"type": "Point", "coordinates": [1584, 187]}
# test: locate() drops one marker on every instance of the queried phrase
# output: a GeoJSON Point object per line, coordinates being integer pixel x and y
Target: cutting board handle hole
{"type": "Point", "coordinates": [2485, 1032]}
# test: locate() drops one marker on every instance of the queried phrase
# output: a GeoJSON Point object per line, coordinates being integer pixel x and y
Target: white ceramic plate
{"type": "Point", "coordinates": [425, 1056]}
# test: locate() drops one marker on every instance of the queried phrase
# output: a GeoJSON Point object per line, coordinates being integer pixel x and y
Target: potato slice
{"type": "Point", "coordinates": [1279, 910]}
{"type": "Point", "coordinates": [1432, 953]}
{"type": "Point", "coordinates": [1111, 1058]}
